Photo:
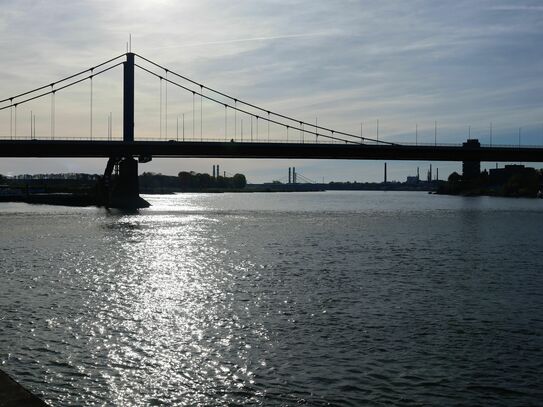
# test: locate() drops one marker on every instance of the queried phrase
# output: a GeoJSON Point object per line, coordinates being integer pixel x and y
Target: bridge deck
{"type": "Point", "coordinates": [72, 148]}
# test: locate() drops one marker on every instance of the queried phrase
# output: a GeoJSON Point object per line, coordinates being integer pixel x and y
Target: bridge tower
{"type": "Point", "coordinates": [122, 191]}
{"type": "Point", "coordinates": [128, 98]}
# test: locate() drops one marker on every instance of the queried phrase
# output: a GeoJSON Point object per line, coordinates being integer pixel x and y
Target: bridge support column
{"type": "Point", "coordinates": [471, 169]}
{"type": "Point", "coordinates": [122, 190]}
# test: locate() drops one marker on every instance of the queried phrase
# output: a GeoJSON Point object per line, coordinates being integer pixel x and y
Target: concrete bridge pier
{"type": "Point", "coordinates": [121, 190]}
{"type": "Point", "coordinates": [471, 169]}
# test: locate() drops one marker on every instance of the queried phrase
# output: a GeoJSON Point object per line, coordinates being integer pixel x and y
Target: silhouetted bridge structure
{"type": "Point", "coordinates": [208, 149]}
{"type": "Point", "coordinates": [303, 140]}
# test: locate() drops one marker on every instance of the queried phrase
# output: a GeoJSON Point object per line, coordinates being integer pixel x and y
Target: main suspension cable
{"type": "Point", "coordinates": [260, 108]}
{"type": "Point", "coordinates": [61, 80]}
{"type": "Point", "coordinates": [62, 87]}
{"type": "Point", "coordinates": [269, 120]}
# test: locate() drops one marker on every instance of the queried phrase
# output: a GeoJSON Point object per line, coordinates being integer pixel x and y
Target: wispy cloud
{"type": "Point", "coordinates": [238, 40]}
{"type": "Point", "coordinates": [517, 8]}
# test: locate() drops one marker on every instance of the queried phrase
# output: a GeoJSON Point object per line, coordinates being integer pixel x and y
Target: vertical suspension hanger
{"type": "Point", "coordinates": [201, 112]}
{"type": "Point", "coordinates": [15, 124]}
{"type": "Point", "coordinates": [225, 122]}
{"type": "Point", "coordinates": [160, 120]}
{"type": "Point", "coordinates": [54, 113]}
{"type": "Point", "coordinates": [193, 121]}
{"type": "Point", "coordinates": [11, 119]}
{"type": "Point", "coordinates": [91, 91]}
{"type": "Point", "coordinates": [166, 107]}
{"type": "Point", "coordinates": [51, 118]}
{"type": "Point", "coordinates": [235, 118]}
{"type": "Point", "coordinates": [268, 126]}
{"type": "Point", "coordinates": [251, 128]}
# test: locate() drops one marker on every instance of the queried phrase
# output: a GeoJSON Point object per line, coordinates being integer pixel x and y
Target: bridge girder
{"type": "Point", "coordinates": [190, 149]}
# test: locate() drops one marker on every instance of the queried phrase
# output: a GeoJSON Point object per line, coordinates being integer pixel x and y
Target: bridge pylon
{"type": "Point", "coordinates": [128, 98]}
{"type": "Point", "coordinates": [121, 190]}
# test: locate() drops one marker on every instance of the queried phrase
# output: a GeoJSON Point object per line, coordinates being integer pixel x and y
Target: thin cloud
{"type": "Point", "coordinates": [517, 8]}
{"type": "Point", "coordinates": [233, 41]}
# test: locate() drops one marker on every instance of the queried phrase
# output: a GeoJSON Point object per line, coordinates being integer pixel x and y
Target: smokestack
{"type": "Point", "coordinates": [289, 175]}
{"type": "Point", "coordinates": [418, 176]}
{"type": "Point", "coordinates": [213, 171]}
{"type": "Point", "coordinates": [218, 172]}
{"type": "Point", "coordinates": [437, 174]}
{"type": "Point", "coordinates": [294, 175]}
{"type": "Point", "coordinates": [385, 173]}
{"type": "Point", "coordinates": [430, 174]}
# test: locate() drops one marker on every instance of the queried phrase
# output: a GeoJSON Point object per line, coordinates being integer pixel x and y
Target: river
{"type": "Point", "coordinates": [320, 298]}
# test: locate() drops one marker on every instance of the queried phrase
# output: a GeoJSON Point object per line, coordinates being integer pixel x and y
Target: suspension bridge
{"type": "Point", "coordinates": [300, 139]}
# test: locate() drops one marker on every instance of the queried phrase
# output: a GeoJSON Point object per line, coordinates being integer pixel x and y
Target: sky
{"type": "Point", "coordinates": [408, 64]}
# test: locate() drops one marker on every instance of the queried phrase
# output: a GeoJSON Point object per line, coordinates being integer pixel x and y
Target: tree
{"type": "Point", "coordinates": [239, 181]}
{"type": "Point", "coordinates": [454, 178]}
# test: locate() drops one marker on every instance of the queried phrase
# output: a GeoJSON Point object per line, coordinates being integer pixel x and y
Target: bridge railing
{"type": "Point", "coordinates": [248, 140]}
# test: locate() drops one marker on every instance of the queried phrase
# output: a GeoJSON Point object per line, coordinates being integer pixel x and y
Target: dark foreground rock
{"type": "Point", "coordinates": [12, 394]}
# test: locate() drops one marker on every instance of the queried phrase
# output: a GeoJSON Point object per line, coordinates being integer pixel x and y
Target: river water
{"type": "Point", "coordinates": [324, 298]}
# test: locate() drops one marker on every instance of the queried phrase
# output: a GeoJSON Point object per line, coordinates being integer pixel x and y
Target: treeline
{"type": "Point", "coordinates": [50, 183]}
{"type": "Point", "coordinates": [517, 182]}
{"type": "Point", "coordinates": [196, 180]}
{"type": "Point", "coordinates": [149, 182]}
{"type": "Point", "coordinates": [189, 181]}
{"type": "Point", "coordinates": [63, 176]}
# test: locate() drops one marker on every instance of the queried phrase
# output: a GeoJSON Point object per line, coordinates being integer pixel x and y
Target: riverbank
{"type": "Point", "coordinates": [64, 199]}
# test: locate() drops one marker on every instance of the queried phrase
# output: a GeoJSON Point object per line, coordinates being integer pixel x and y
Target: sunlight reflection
{"type": "Point", "coordinates": [171, 311]}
